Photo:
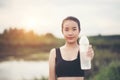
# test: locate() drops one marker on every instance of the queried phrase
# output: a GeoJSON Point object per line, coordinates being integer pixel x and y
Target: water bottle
{"type": "Point", "coordinates": [84, 59]}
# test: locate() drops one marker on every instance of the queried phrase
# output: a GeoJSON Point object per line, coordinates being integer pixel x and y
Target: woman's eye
{"type": "Point", "coordinates": [66, 29]}
{"type": "Point", "coordinates": [74, 29]}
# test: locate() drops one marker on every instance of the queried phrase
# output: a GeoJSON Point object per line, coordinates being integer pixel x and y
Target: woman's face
{"type": "Point", "coordinates": [70, 31]}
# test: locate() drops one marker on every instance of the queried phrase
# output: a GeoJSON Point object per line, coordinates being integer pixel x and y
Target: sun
{"type": "Point", "coordinates": [30, 24]}
{"type": "Point", "coordinates": [38, 25]}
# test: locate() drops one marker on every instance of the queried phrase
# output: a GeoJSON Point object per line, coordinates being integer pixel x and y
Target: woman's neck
{"type": "Point", "coordinates": [71, 46]}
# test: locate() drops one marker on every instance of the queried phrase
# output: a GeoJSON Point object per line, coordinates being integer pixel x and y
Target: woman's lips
{"type": "Point", "coordinates": [70, 38]}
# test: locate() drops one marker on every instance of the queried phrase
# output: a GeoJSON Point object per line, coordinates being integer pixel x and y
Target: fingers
{"type": "Point", "coordinates": [90, 52]}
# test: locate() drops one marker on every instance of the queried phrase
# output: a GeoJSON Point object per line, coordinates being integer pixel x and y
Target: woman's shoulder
{"type": "Point", "coordinates": [53, 52]}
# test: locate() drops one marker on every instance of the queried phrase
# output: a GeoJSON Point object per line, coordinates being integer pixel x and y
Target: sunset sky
{"type": "Point", "coordinates": [42, 16]}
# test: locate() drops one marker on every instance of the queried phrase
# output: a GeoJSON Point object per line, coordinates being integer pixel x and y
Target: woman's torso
{"type": "Point", "coordinates": [68, 70]}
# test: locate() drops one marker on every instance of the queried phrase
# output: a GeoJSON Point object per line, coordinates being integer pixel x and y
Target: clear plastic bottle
{"type": "Point", "coordinates": [85, 60]}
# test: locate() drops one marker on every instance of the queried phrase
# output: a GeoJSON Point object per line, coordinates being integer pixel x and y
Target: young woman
{"type": "Point", "coordinates": [64, 62]}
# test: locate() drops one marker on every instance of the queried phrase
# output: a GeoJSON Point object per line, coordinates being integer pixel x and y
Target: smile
{"type": "Point", "coordinates": [70, 37]}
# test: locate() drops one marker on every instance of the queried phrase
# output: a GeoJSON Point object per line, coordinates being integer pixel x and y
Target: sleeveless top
{"type": "Point", "coordinates": [64, 68]}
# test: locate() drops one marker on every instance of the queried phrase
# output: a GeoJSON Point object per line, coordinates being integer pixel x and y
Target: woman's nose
{"type": "Point", "coordinates": [70, 33]}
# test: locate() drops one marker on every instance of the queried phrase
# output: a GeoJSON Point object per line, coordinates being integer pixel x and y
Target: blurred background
{"type": "Point", "coordinates": [30, 28]}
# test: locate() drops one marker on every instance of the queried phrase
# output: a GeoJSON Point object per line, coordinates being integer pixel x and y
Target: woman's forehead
{"type": "Point", "coordinates": [70, 23]}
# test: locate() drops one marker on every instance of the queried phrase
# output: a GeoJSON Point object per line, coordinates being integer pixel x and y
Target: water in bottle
{"type": "Point", "coordinates": [85, 60]}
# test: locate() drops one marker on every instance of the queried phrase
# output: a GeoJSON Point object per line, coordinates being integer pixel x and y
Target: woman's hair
{"type": "Point", "coordinates": [73, 19]}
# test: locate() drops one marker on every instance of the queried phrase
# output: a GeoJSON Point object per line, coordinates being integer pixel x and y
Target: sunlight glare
{"type": "Point", "coordinates": [30, 24]}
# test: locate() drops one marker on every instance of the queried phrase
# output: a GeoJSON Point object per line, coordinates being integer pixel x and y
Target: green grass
{"type": "Point", "coordinates": [110, 72]}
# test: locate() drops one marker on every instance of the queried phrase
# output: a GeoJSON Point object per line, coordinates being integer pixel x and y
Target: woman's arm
{"type": "Point", "coordinates": [52, 75]}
